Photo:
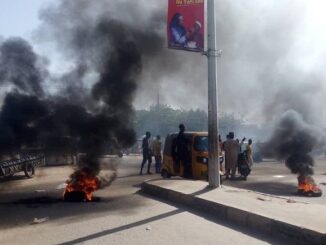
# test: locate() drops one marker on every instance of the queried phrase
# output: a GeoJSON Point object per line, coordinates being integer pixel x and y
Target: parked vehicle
{"type": "Point", "coordinates": [198, 150]}
{"type": "Point", "coordinates": [26, 164]}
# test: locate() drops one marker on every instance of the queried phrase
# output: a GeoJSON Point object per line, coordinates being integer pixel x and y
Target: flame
{"type": "Point", "coordinates": [307, 185]}
{"type": "Point", "coordinates": [84, 181]}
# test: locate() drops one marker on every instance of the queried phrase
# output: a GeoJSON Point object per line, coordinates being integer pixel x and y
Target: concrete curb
{"type": "Point", "coordinates": [297, 234]}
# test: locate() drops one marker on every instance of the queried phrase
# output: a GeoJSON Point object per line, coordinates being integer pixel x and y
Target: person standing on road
{"type": "Point", "coordinates": [249, 153]}
{"type": "Point", "coordinates": [147, 153]}
{"type": "Point", "coordinates": [157, 148]}
{"type": "Point", "coordinates": [231, 148]}
{"type": "Point", "coordinates": [182, 153]}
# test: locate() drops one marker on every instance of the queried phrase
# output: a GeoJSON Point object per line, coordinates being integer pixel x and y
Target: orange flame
{"type": "Point", "coordinates": [307, 184]}
{"type": "Point", "coordinates": [83, 181]}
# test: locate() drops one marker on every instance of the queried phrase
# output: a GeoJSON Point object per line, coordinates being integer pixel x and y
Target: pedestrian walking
{"type": "Point", "coordinates": [157, 149]}
{"type": "Point", "coordinates": [231, 148]}
{"type": "Point", "coordinates": [147, 153]}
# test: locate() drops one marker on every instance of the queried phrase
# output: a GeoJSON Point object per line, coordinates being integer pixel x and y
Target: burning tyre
{"type": "Point", "coordinates": [307, 187]}
{"type": "Point", "coordinates": [75, 196]}
{"type": "Point", "coordinates": [310, 193]}
{"type": "Point", "coordinates": [81, 185]}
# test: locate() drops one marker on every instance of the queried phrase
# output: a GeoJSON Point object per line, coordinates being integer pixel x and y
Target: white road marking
{"type": "Point", "coordinates": [278, 176]}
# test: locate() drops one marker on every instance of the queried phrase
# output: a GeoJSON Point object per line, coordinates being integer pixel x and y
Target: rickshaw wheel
{"type": "Point", "coordinates": [29, 170]}
{"type": "Point", "coordinates": [165, 174]}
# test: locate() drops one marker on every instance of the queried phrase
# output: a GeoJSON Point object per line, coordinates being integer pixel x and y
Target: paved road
{"type": "Point", "coordinates": [123, 216]}
{"type": "Point", "coordinates": [275, 178]}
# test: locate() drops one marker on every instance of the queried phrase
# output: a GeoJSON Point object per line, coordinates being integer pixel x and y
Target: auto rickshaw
{"type": "Point", "coordinates": [198, 154]}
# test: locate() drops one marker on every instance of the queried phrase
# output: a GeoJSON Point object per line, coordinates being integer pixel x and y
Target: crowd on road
{"type": "Point", "coordinates": [237, 154]}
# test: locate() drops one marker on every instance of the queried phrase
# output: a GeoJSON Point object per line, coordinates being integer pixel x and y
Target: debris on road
{"type": "Point", "coordinates": [264, 199]}
{"type": "Point", "coordinates": [39, 221]}
{"type": "Point", "coordinates": [148, 228]}
{"type": "Point", "coordinates": [290, 201]}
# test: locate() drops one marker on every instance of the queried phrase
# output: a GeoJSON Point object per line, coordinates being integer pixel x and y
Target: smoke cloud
{"type": "Point", "coordinates": [293, 139]}
{"type": "Point", "coordinates": [114, 57]}
{"type": "Point", "coordinates": [271, 63]}
{"type": "Point", "coordinates": [21, 67]}
{"type": "Point", "coordinates": [94, 109]}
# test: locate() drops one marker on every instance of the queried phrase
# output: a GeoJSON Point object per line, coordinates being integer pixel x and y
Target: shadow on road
{"type": "Point", "coordinates": [12, 178]}
{"type": "Point", "coordinates": [272, 188]}
{"type": "Point", "coordinates": [122, 228]}
{"type": "Point", "coordinates": [20, 209]}
{"type": "Point", "coordinates": [179, 209]}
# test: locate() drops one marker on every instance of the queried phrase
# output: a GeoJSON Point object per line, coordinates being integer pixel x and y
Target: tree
{"type": "Point", "coordinates": [162, 119]}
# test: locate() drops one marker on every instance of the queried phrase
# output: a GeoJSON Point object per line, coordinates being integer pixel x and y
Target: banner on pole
{"type": "Point", "coordinates": [185, 27]}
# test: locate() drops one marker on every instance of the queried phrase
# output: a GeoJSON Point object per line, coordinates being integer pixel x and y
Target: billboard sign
{"type": "Point", "coordinates": [185, 27]}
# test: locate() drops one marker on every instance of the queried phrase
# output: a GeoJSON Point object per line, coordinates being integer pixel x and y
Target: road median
{"type": "Point", "coordinates": [301, 222]}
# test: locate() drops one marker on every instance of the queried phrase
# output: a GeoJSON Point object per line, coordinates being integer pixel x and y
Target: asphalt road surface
{"type": "Point", "coordinates": [32, 212]}
{"type": "Point", "coordinates": [273, 177]}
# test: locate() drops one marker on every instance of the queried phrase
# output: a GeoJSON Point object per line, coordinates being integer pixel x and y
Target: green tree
{"type": "Point", "coordinates": [163, 119]}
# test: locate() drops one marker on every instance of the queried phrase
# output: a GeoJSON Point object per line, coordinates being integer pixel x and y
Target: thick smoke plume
{"type": "Point", "coordinates": [293, 139]}
{"type": "Point", "coordinates": [108, 47]}
{"type": "Point", "coordinates": [20, 67]}
{"type": "Point", "coordinates": [91, 107]}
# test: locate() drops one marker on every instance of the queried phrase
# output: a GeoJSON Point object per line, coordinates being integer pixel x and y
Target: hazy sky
{"type": "Point", "coordinates": [266, 44]}
{"type": "Point", "coordinates": [19, 18]}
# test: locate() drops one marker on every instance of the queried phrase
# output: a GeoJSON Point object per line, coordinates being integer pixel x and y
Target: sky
{"type": "Point", "coordinates": [269, 47]}
{"type": "Point", "coordinates": [19, 18]}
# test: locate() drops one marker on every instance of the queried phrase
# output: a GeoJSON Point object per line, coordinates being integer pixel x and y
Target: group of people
{"type": "Point", "coordinates": [180, 152]}
{"type": "Point", "coordinates": [181, 37]}
{"type": "Point", "coordinates": [235, 151]}
{"type": "Point", "coordinates": [150, 149]}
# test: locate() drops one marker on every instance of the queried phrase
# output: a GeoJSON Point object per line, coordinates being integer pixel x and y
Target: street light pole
{"type": "Point", "coordinates": [212, 54]}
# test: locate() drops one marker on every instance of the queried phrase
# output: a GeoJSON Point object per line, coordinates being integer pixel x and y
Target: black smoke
{"type": "Point", "coordinates": [20, 67]}
{"type": "Point", "coordinates": [19, 119]}
{"type": "Point", "coordinates": [293, 140]}
{"type": "Point", "coordinates": [91, 109]}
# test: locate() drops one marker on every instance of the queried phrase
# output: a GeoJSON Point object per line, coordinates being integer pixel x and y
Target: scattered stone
{"type": "Point", "coordinates": [290, 201]}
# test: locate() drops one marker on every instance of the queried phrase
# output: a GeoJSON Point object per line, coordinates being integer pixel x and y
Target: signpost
{"type": "Point", "coordinates": [185, 31]}
{"type": "Point", "coordinates": [212, 54]}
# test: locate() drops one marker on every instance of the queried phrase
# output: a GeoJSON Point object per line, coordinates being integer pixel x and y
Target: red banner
{"type": "Point", "coordinates": [185, 27]}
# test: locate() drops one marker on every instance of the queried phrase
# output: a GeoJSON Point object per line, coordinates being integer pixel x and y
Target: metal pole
{"type": "Point", "coordinates": [213, 149]}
